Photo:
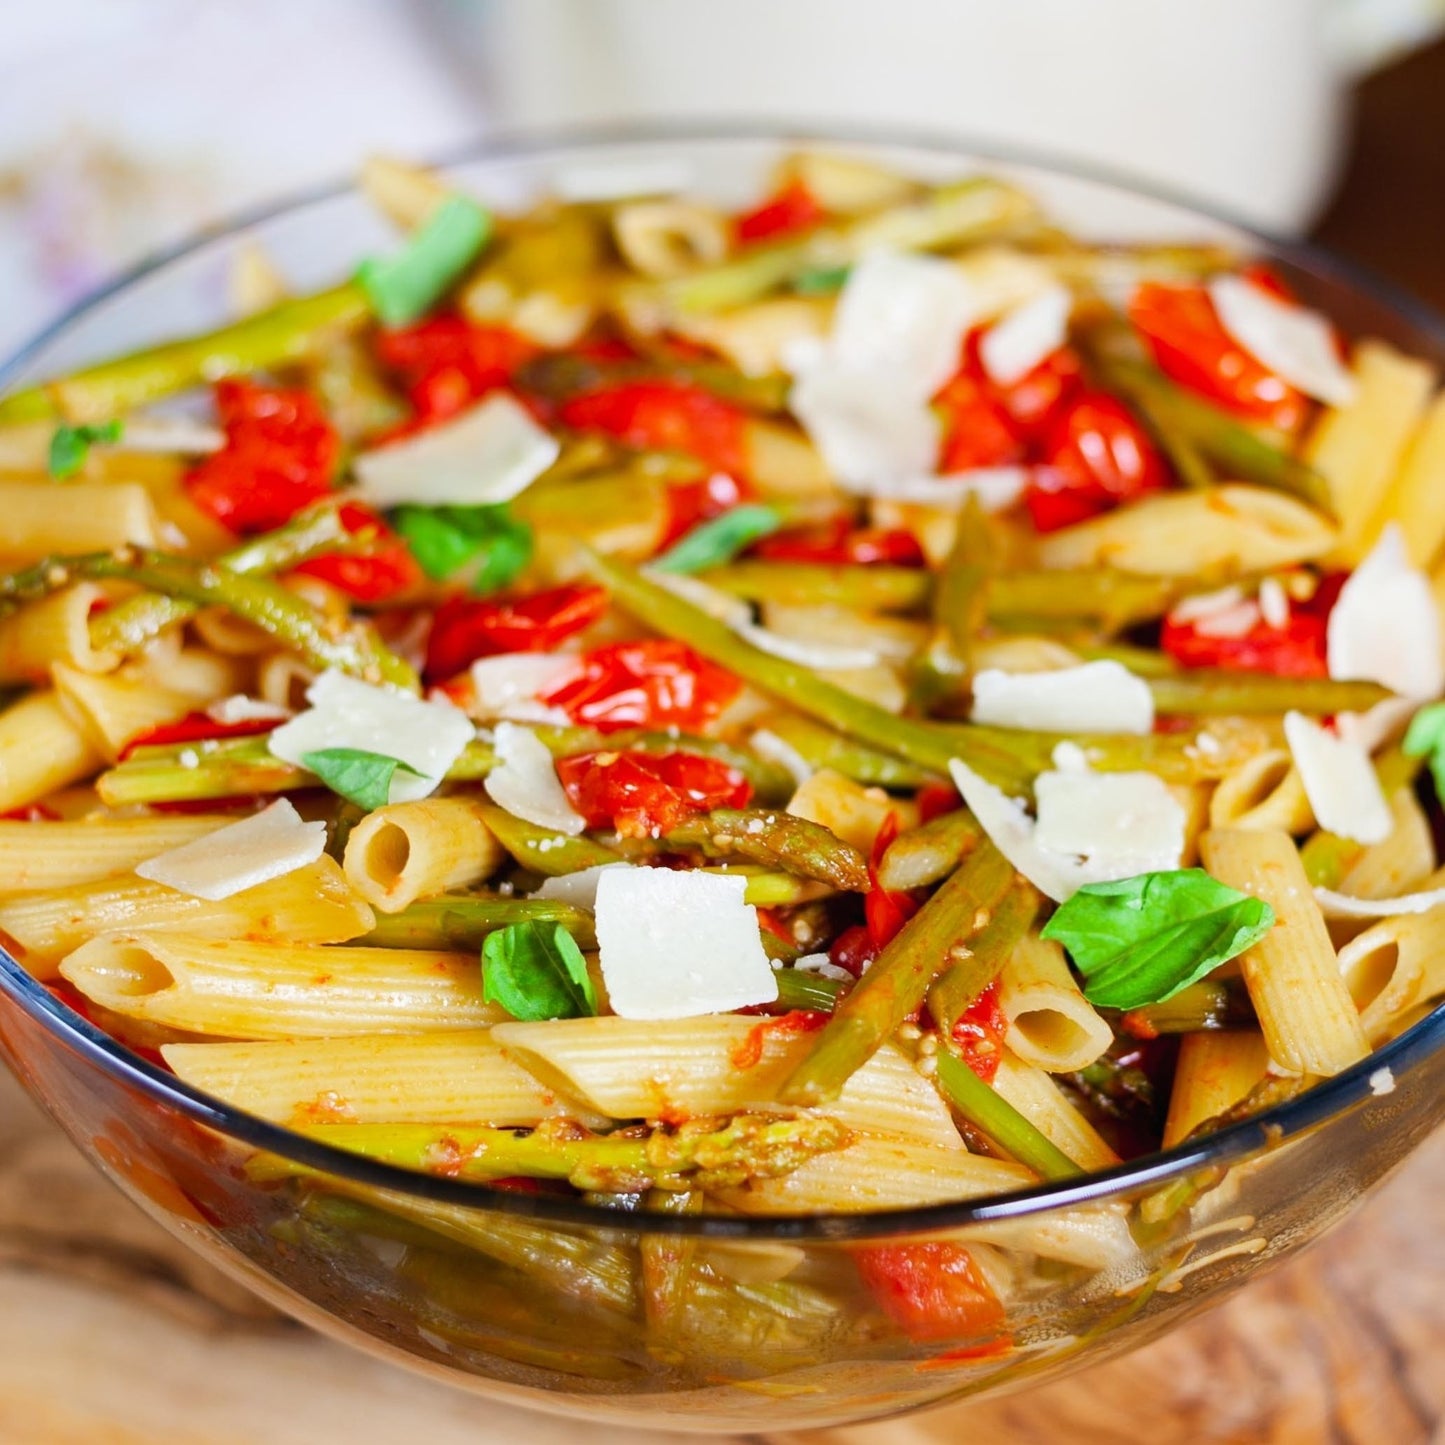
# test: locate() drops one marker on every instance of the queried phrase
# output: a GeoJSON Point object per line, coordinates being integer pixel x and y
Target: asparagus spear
{"type": "Point", "coordinates": [1209, 1004]}
{"type": "Point", "coordinates": [557, 376]}
{"type": "Point", "coordinates": [922, 855]}
{"type": "Point", "coordinates": [997, 1119]}
{"type": "Point", "coordinates": [1209, 692]}
{"type": "Point", "coordinates": [778, 840]}
{"type": "Point", "coordinates": [543, 851]}
{"type": "Point", "coordinates": [797, 989]}
{"type": "Point", "coordinates": [701, 1153]}
{"type": "Point", "coordinates": [896, 984]}
{"type": "Point", "coordinates": [287, 333]}
{"type": "Point", "coordinates": [862, 588]}
{"type": "Point", "coordinates": [463, 922]}
{"type": "Point", "coordinates": [821, 747]}
{"type": "Point", "coordinates": [966, 976]}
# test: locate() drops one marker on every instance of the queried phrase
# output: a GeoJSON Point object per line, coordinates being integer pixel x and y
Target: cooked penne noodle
{"type": "Point", "coordinates": [1394, 967]}
{"type": "Point", "coordinates": [228, 635]}
{"type": "Point", "coordinates": [1193, 800]}
{"type": "Point", "coordinates": [282, 679]}
{"type": "Point", "coordinates": [311, 905]}
{"type": "Point", "coordinates": [1181, 534]}
{"type": "Point", "coordinates": [845, 184]}
{"type": "Point", "coordinates": [757, 338]}
{"type": "Point", "coordinates": [253, 283]}
{"type": "Point", "coordinates": [1023, 654]}
{"type": "Point", "coordinates": [204, 676]}
{"type": "Point", "coordinates": [46, 855]}
{"type": "Point", "coordinates": [53, 630]}
{"type": "Point", "coordinates": [1309, 1020]}
{"type": "Point", "coordinates": [848, 809]}
{"type": "Point", "coordinates": [1095, 1237]}
{"type": "Point", "coordinates": [1050, 1023]}
{"type": "Point", "coordinates": [666, 238]}
{"type": "Point", "coordinates": [407, 851]}
{"type": "Point", "coordinates": [1264, 791]}
{"type": "Point", "coordinates": [243, 990]}
{"type": "Point", "coordinates": [458, 1077]}
{"type": "Point", "coordinates": [1358, 448]}
{"type": "Point", "coordinates": [1216, 1070]}
{"type": "Point", "coordinates": [1416, 497]}
{"type": "Point", "coordinates": [718, 1064]}
{"type": "Point", "coordinates": [893, 639]}
{"type": "Point", "coordinates": [1402, 862]}
{"type": "Point", "coordinates": [1040, 1100]}
{"type": "Point", "coordinates": [407, 194]}
{"type": "Point", "coordinates": [95, 517]}
{"type": "Point", "coordinates": [42, 749]}
{"type": "Point", "coordinates": [118, 707]}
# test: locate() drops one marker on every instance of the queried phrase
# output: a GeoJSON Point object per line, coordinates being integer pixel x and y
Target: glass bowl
{"type": "Point", "coordinates": [541, 1300]}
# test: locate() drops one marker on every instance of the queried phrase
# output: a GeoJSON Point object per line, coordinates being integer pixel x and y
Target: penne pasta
{"type": "Point", "coordinates": [847, 809]}
{"type": "Point", "coordinates": [46, 855]}
{"type": "Point", "coordinates": [1309, 1021]}
{"type": "Point", "coordinates": [54, 630]}
{"type": "Point", "coordinates": [1393, 968]}
{"type": "Point", "coordinates": [1415, 499]}
{"type": "Point", "coordinates": [1051, 1025]}
{"type": "Point", "coordinates": [42, 749]}
{"type": "Point", "coordinates": [667, 238]}
{"type": "Point", "coordinates": [407, 851]}
{"type": "Point", "coordinates": [1040, 1100]}
{"type": "Point", "coordinates": [118, 707]}
{"type": "Point", "coordinates": [757, 338]}
{"type": "Point", "coordinates": [1264, 791]}
{"type": "Point", "coordinates": [243, 990]}
{"type": "Point", "coordinates": [1216, 1069]}
{"type": "Point", "coordinates": [311, 905]}
{"type": "Point", "coordinates": [1399, 864]}
{"type": "Point", "coordinates": [95, 517]}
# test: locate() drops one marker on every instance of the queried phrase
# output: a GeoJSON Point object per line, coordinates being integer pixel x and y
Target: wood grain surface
{"type": "Point", "coordinates": [112, 1334]}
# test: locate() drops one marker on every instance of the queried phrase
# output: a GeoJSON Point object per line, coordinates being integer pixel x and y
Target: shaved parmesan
{"type": "Point", "coordinates": [823, 966]}
{"type": "Point", "coordinates": [489, 454]}
{"type": "Point", "coordinates": [1201, 604]}
{"type": "Point", "coordinates": [995, 488]}
{"type": "Point", "coordinates": [1297, 344]}
{"type": "Point", "coordinates": [868, 427]}
{"type": "Point", "coordinates": [525, 782]}
{"type": "Point", "coordinates": [169, 435]}
{"type": "Point", "coordinates": [1273, 603]}
{"type": "Point", "coordinates": [1378, 725]}
{"type": "Point", "coordinates": [241, 855]}
{"type": "Point", "coordinates": [1385, 626]}
{"type": "Point", "coordinates": [1096, 697]}
{"type": "Point", "coordinates": [1342, 905]}
{"type": "Point", "coordinates": [1027, 336]}
{"type": "Point", "coordinates": [348, 713]}
{"type": "Point", "coordinates": [678, 944]}
{"type": "Point", "coordinates": [1339, 781]}
{"type": "Point", "coordinates": [1093, 808]}
{"type": "Point", "coordinates": [239, 708]}
{"type": "Point", "coordinates": [577, 889]}
{"type": "Point", "coordinates": [825, 657]}
{"type": "Point", "coordinates": [509, 684]}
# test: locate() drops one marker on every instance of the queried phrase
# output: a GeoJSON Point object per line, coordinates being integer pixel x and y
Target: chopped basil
{"type": "Point", "coordinates": [70, 446]}
{"type": "Point", "coordinates": [358, 776]}
{"type": "Point", "coordinates": [710, 544]}
{"type": "Point", "coordinates": [821, 280]}
{"type": "Point", "coordinates": [408, 284]}
{"type": "Point", "coordinates": [536, 971]}
{"type": "Point", "coordinates": [1141, 940]}
{"type": "Point", "coordinates": [445, 541]}
{"type": "Point", "coordinates": [1425, 738]}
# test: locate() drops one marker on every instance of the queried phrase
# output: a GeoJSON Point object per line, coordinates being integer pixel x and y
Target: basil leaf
{"type": "Point", "coordinates": [70, 445]}
{"type": "Point", "coordinates": [536, 971]}
{"type": "Point", "coordinates": [448, 540]}
{"type": "Point", "coordinates": [1141, 940]}
{"type": "Point", "coordinates": [408, 284]}
{"type": "Point", "coordinates": [358, 776]}
{"type": "Point", "coordinates": [710, 544]}
{"type": "Point", "coordinates": [1425, 738]}
{"type": "Point", "coordinates": [821, 280]}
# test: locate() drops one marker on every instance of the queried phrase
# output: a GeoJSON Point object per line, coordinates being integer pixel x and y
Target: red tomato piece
{"type": "Point", "coordinates": [446, 363]}
{"type": "Point", "coordinates": [931, 1291]}
{"type": "Point", "coordinates": [749, 1053]}
{"type": "Point", "coordinates": [648, 684]}
{"type": "Point", "coordinates": [978, 430]}
{"type": "Point", "coordinates": [789, 210]}
{"type": "Point", "coordinates": [643, 796]}
{"type": "Point", "coordinates": [1190, 345]}
{"type": "Point", "coordinates": [885, 911]}
{"type": "Point", "coordinates": [1031, 401]}
{"type": "Point", "coordinates": [1095, 455]}
{"type": "Point", "coordinates": [280, 457]}
{"type": "Point", "coordinates": [464, 629]}
{"type": "Point", "coordinates": [195, 727]}
{"type": "Point", "coordinates": [666, 416]}
{"type": "Point", "coordinates": [31, 813]}
{"type": "Point", "coordinates": [979, 1034]}
{"type": "Point", "coordinates": [689, 503]}
{"type": "Point", "coordinates": [841, 544]}
{"type": "Point", "coordinates": [387, 570]}
{"type": "Point", "coordinates": [936, 799]}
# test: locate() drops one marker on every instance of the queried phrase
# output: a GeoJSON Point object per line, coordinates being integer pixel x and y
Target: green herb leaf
{"type": "Point", "coordinates": [710, 544]}
{"type": "Point", "coordinates": [536, 971]}
{"type": "Point", "coordinates": [1141, 940]}
{"type": "Point", "coordinates": [821, 280]}
{"type": "Point", "coordinates": [1425, 738]}
{"type": "Point", "coordinates": [358, 776]}
{"type": "Point", "coordinates": [408, 284]}
{"type": "Point", "coordinates": [448, 540]}
{"type": "Point", "coordinates": [70, 446]}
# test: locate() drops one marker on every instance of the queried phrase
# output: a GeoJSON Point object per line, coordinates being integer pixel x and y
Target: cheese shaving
{"type": "Point", "coordinates": [525, 782]}
{"type": "Point", "coordinates": [1339, 781]}
{"type": "Point", "coordinates": [509, 684]}
{"type": "Point", "coordinates": [1027, 336]}
{"type": "Point", "coordinates": [1343, 905]}
{"type": "Point", "coordinates": [1095, 697]}
{"type": "Point", "coordinates": [241, 855]}
{"type": "Point", "coordinates": [577, 889]}
{"type": "Point", "coordinates": [239, 708]}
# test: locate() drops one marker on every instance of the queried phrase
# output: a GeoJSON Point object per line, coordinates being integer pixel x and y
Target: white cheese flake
{"type": "Point", "coordinates": [241, 855]}
{"type": "Point", "coordinates": [1201, 604]}
{"type": "Point", "coordinates": [510, 685]}
{"type": "Point", "coordinates": [679, 944]}
{"type": "Point", "coordinates": [1027, 336]}
{"type": "Point", "coordinates": [722, 606]}
{"type": "Point", "coordinates": [996, 489]}
{"type": "Point", "coordinates": [1295, 343]}
{"type": "Point", "coordinates": [1156, 846]}
{"type": "Point", "coordinates": [774, 749]}
{"type": "Point", "coordinates": [1385, 626]}
{"type": "Point", "coordinates": [1344, 905]}
{"type": "Point", "coordinates": [1339, 781]}
{"type": "Point", "coordinates": [1095, 697]}
{"type": "Point", "coordinates": [487, 455]}
{"type": "Point", "coordinates": [870, 428]}
{"type": "Point", "coordinates": [822, 966]}
{"type": "Point", "coordinates": [525, 781]}
{"type": "Point", "coordinates": [1273, 603]}
{"type": "Point", "coordinates": [239, 708]}
{"type": "Point", "coordinates": [577, 889]}
{"type": "Point", "coordinates": [348, 713]}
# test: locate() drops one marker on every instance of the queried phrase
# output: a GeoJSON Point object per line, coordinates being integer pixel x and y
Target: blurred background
{"type": "Point", "coordinates": [126, 124]}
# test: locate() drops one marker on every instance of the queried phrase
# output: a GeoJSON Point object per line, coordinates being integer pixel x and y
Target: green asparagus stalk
{"type": "Point", "coordinates": [960, 607]}
{"type": "Point", "coordinates": [1000, 1122]}
{"type": "Point", "coordinates": [964, 978]}
{"type": "Point", "coordinates": [1208, 692]}
{"type": "Point", "coordinates": [776, 840]}
{"type": "Point", "coordinates": [228, 768]}
{"type": "Point", "coordinates": [557, 377]}
{"type": "Point", "coordinates": [699, 1154]}
{"type": "Point", "coordinates": [1209, 1004]}
{"type": "Point", "coordinates": [938, 934]}
{"type": "Point", "coordinates": [287, 333]}
{"type": "Point", "coordinates": [821, 747]}
{"type": "Point", "coordinates": [543, 851]}
{"type": "Point", "coordinates": [463, 922]}
{"type": "Point", "coordinates": [923, 855]}
{"type": "Point", "coordinates": [797, 989]}
{"type": "Point", "coordinates": [816, 584]}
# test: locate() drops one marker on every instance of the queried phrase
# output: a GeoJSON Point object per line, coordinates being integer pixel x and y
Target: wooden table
{"type": "Point", "coordinates": [110, 1334]}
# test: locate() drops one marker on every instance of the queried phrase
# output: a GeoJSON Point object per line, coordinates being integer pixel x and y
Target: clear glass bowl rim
{"type": "Point", "coordinates": [1332, 1098]}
